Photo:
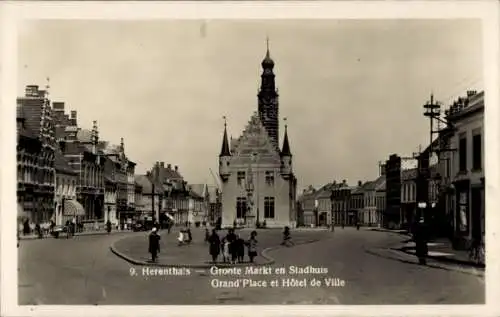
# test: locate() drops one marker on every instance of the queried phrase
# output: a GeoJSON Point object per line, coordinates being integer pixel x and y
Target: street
{"type": "Point", "coordinates": [84, 271]}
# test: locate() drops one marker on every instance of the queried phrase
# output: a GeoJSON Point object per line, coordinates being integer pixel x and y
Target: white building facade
{"type": "Point", "coordinates": [467, 166]}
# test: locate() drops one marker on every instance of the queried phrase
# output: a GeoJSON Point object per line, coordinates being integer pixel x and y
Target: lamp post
{"type": "Point", "coordinates": [332, 223]}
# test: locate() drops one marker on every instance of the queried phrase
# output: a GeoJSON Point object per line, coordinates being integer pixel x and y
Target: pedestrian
{"type": "Point", "coordinates": [180, 238]}
{"type": "Point", "coordinates": [108, 226]}
{"type": "Point", "coordinates": [421, 237]}
{"type": "Point", "coordinates": [240, 249]}
{"type": "Point", "coordinates": [287, 239]}
{"type": "Point", "coordinates": [38, 230]}
{"type": "Point", "coordinates": [154, 244]}
{"type": "Point", "coordinates": [189, 235]}
{"type": "Point", "coordinates": [252, 246]}
{"type": "Point", "coordinates": [231, 238]}
{"type": "Point", "coordinates": [214, 248]}
{"type": "Point", "coordinates": [26, 227]}
{"type": "Point", "coordinates": [226, 256]}
{"type": "Point", "coordinates": [207, 236]}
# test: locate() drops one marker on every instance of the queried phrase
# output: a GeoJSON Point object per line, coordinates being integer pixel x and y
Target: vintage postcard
{"type": "Point", "coordinates": [321, 158]}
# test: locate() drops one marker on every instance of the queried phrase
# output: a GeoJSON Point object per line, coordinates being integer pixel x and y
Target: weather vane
{"type": "Point", "coordinates": [225, 121]}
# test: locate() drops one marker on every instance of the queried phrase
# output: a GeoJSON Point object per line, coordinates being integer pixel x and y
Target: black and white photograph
{"type": "Point", "coordinates": [253, 161]}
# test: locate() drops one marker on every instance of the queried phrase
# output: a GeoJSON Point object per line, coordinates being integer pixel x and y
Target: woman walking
{"type": "Point", "coordinates": [214, 248]}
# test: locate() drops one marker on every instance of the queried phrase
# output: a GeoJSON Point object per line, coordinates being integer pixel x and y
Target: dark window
{"type": "Point", "coordinates": [241, 178]}
{"type": "Point", "coordinates": [462, 154]}
{"type": "Point", "coordinates": [270, 178]}
{"type": "Point", "coordinates": [476, 152]}
{"type": "Point", "coordinates": [241, 207]}
{"type": "Point", "coordinates": [269, 207]}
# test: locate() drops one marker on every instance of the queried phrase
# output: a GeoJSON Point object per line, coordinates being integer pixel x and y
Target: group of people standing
{"type": "Point", "coordinates": [231, 247]}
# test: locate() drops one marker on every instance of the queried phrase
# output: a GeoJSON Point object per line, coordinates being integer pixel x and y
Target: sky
{"type": "Point", "coordinates": [352, 90]}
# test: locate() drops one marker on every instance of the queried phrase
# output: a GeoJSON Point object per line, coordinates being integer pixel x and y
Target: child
{"type": "Point", "coordinates": [225, 251]}
{"type": "Point", "coordinates": [252, 246]}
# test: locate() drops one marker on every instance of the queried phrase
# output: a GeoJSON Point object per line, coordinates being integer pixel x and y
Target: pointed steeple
{"type": "Point", "coordinates": [286, 146]}
{"type": "Point", "coordinates": [225, 144]}
{"type": "Point", "coordinates": [268, 62]}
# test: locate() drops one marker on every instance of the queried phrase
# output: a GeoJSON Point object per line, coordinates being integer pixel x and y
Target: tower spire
{"type": "Point", "coordinates": [225, 144]}
{"type": "Point", "coordinates": [268, 55]}
{"type": "Point", "coordinates": [286, 145]}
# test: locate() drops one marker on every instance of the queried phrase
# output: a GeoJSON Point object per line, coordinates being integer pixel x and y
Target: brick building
{"type": "Point", "coordinates": [35, 155]}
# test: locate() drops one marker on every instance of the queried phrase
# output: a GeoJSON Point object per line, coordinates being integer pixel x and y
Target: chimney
{"type": "Point", "coordinates": [360, 183]}
{"type": "Point", "coordinates": [382, 169]}
{"type": "Point", "coordinates": [176, 168]}
{"type": "Point", "coordinates": [31, 91]}
{"type": "Point", "coordinates": [344, 182]}
{"type": "Point", "coordinates": [471, 93]}
{"type": "Point", "coordinates": [73, 118]}
{"type": "Point", "coordinates": [95, 137]}
{"type": "Point", "coordinates": [169, 166]}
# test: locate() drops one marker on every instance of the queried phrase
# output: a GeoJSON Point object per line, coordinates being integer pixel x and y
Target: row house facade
{"type": "Point", "coordinates": [80, 149]}
{"type": "Point", "coordinates": [138, 199]}
{"type": "Point", "coordinates": [35, 156]}
{"type": "Point", "coordinates": [119, 167]}
{"type": "Point", "coordinates": [174, 194]}
{"type": "Point", "coordinates": [110, 192]}
{"type": "Point", "coordinates": [305, 207]}
{"type": "Point", "coordinates": [151, 197]}
{"type": "Point", "coordinates": [466, 169]}
{"type": "Point", "coordinates": [67, 206]}
{"type": "Point", "coordinates": [199, 200]}
{"type": "Point", "coordinates": [374, 200]}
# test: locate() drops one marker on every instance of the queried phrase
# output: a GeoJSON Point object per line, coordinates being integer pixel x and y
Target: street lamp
{"type": "Point", "coordinates": [316, 204]}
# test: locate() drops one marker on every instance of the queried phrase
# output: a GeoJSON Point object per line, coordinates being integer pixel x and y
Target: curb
{"type": "Point", "coordinates": [400, 232]}
{"type": "Point", "coordinates": [76, 235]}
{"type": "Point", "coordinates": [263, 253]}
{"type": "Point", "coordinates": [441, 258]}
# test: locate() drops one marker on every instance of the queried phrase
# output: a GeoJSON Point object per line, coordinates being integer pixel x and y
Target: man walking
{"type": "Point", "coordinates": [154, 244]}
{"type": "Point", "coordinates": [421, 237]}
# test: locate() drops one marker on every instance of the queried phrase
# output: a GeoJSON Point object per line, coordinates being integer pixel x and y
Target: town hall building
{"type": "Point", "coordinates": [258, 183]}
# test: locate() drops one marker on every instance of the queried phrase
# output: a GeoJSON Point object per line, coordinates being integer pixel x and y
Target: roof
{"type": "Point", "coordinates": [286, 146]}
{"type": "Point", "coordinates": [255, 138]}
{"type": "Point", "coordinates": [61, 164]}
{"type": "Point", "coordinates": [23, 131]}
{"type": "Point", "coordinates": [32, 113]}
{"type": "Point", "coordinates": [145, 182]}
{"type": "Point", "coordinates": [225, 144]}
{"type": "Point", "coordinates": [84, 135]}
{"type": "Point", "coordinates": [194, 194]}
{"type": "Point", "coordinates": [199, 189]}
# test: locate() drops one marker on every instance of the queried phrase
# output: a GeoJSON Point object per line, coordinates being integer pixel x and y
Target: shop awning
{"type": "Point", "coordinates": [73, 208]}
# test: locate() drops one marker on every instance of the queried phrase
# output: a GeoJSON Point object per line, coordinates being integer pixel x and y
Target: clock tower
{"type": "Point", "coordinates": [268, 99]}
